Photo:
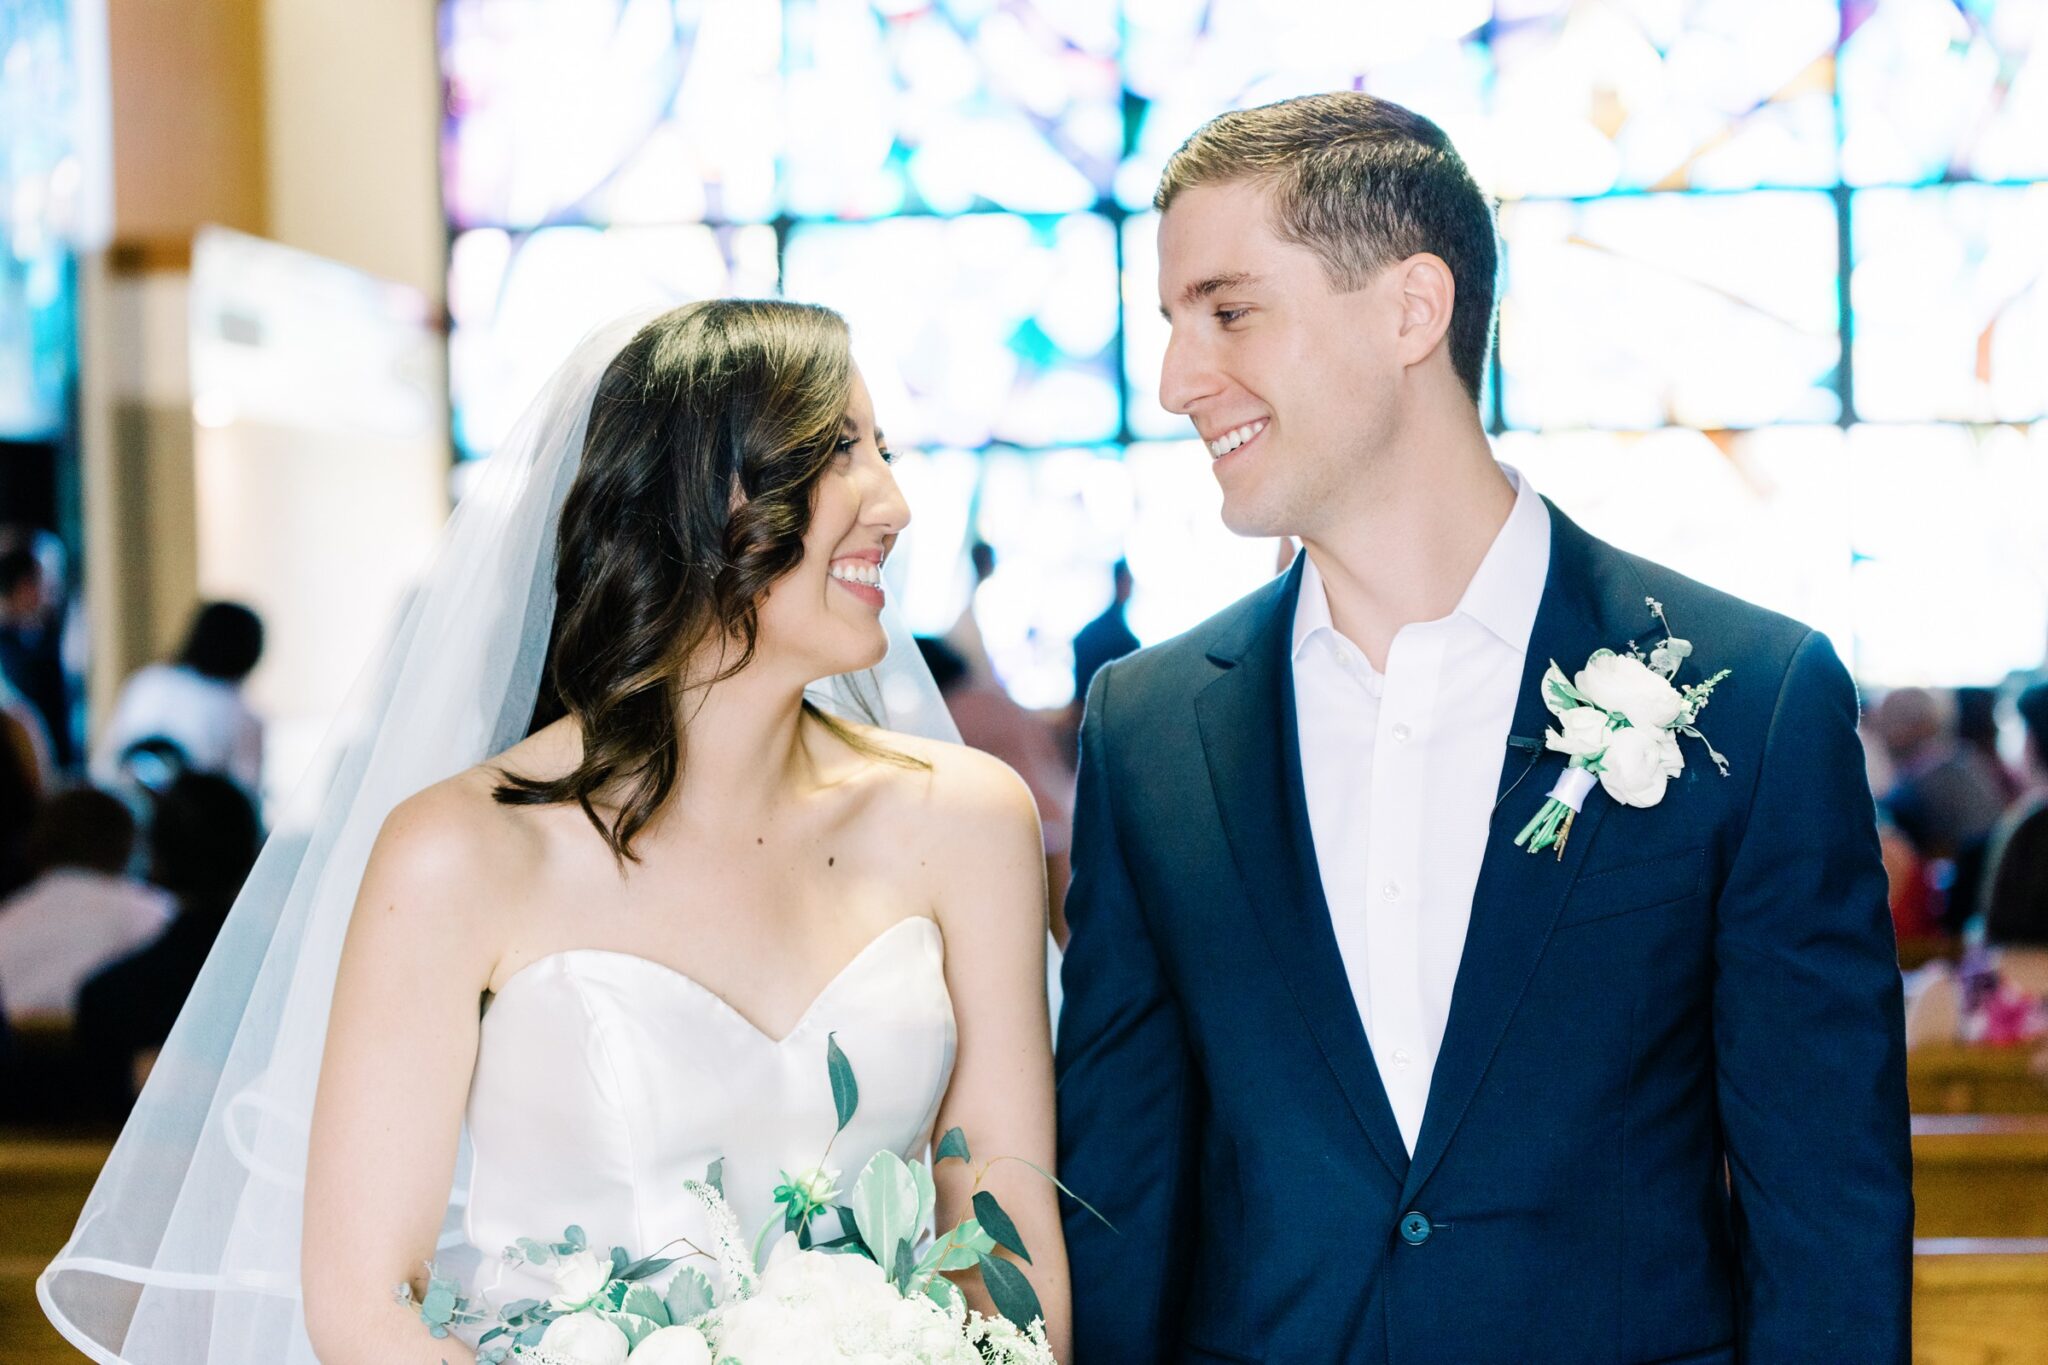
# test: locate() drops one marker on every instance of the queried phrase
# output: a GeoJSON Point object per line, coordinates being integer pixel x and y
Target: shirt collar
{"type": "Point", "coordinates": [1504, 592]}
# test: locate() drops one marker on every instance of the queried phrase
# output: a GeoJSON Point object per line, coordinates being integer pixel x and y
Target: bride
{"type": "Point", "coordinates": [582, 966]}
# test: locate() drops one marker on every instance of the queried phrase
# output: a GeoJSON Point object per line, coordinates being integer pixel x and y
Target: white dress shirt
{"type": "Point", "coordinates": [1401, 769]}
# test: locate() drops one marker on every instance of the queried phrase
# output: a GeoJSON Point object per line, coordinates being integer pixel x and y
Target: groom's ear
{"type": "Point", "coordinates": [1425, 291]}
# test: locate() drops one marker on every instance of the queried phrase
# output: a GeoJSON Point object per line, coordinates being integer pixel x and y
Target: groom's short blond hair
{"type": "Point", "coordinates": [1363, 183]}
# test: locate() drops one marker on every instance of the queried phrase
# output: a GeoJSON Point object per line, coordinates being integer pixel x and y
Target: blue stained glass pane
{"type": "Point", "coordinates": [1950, 287]}
{"type": "Point", "coordinates": [950, 106]}
{"type": "Point", "coordinates": [988, 327]}
{"type": "Point", "coordinates": [1935, 89]}
{"type": "Point", "coordinates": [626, 111]}
{"type": "Point", "coordinates": [521, 302]}
{"type": "Point", "coordinates": [1648, 310]}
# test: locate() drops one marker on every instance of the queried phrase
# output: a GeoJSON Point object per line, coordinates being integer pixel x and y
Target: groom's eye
{"type": "Point", "coordinates": [1226, 316]}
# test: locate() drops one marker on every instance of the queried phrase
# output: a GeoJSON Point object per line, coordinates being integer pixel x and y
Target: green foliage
{"type": "Point", "coordinates": [689, 1296]}
{"type": "Point", "coordinates": [1014, 1297]}
{"type": "Point", "coordinates": [845, 1092]}
{"type": "Point", "coordinates": [885, 1206]}
{"type": "Point", "coordinates": [991, 1216]}
{"type": "Point", "coordinates": [953, 1144]}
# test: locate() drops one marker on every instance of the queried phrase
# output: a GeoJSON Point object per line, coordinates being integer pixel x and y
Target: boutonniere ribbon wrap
{"type": "Point", "coordinates": [1618, 721]}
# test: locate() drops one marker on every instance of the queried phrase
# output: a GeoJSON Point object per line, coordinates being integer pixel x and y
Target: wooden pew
{"type": "Point", "coordinates": [1980, 1175]}
{"type": "Point", "coordinates": [1964, 1078]}
{"type": "Point", "coordinates": [1980, 1302]}
{"type": "Point", "coordinates": [43, 1183]}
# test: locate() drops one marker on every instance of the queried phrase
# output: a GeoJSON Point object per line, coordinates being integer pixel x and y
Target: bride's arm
{"type": "Point", "coordinates": [991, 904]}
{"type": "Point", "coordinates": [401, 1044]}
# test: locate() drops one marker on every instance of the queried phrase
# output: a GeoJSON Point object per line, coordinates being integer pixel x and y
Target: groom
{"type": "Point", "coordinates": [1356, 1078]}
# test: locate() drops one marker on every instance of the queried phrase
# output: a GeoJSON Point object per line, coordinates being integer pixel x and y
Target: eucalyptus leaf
{"type": "Point", "coordinates": [573, 1235]}
{"type": "Point", "coordinates": [1014, 1297]}
{"type": "Point", "coordinates": [647, 1267]}
{"type": "Point", "coordinates": [620, 1260]}
{"type": "Point", "coordinates": [532, 1335]}
{"type": "Point", "coordinates": [991, 1216]}
{"type": "Point", "coordinates": [438, 1308]}
{"type": "Point", "coordinates": [689, 1296]}
{"type": "Point", "coordinates": [905, 1266]}
{"type": "Point", "coordinates": [953, 1144]}
{"type": "Point", "coordinates": [845, 1092]}
{"type": "Point", "coordinates": [885, 1205]}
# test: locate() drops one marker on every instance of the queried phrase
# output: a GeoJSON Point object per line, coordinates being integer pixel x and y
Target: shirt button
{"type": "Point", "coordinates": [1401, 733]}
{"type": "Point", "coordinates": [1401, 1057]}
{"type": "Point", "coordinates": [1391, 891]}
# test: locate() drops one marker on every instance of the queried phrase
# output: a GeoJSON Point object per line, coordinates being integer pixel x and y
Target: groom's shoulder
{"type": "Point", "coordinates": [1717, 622]}
{"type": "Point", "coordinates": [1183, 664]}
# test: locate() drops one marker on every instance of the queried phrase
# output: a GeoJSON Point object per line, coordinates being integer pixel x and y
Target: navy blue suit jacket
{"type": "Point", "coordinates": [1668, 1122]}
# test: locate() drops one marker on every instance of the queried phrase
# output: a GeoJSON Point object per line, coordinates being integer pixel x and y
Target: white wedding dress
{"type": "Point", "coordinates": [604, 1081]}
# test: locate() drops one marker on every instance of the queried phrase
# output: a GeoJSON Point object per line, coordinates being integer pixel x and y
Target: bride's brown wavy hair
{"type": "Point", "coordinates": [708, 435]}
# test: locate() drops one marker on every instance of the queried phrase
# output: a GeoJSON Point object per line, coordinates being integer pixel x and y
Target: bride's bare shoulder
{"type": "Point", "coordinates": [961, 795]}
{"type": "Point", "coordinates": [457, 836]}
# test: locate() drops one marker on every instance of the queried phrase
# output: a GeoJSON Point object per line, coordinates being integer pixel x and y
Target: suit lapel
{"type": "Point", "coordinates": [1586, 605]}
{"type": "Point", "coordinates": [1249, 739]}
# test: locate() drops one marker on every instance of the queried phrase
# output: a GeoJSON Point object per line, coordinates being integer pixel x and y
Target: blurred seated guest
{"type": "Point", "coordinates": [24, 737]}
{"type": "Point", "coordinates": [964, 636]}
{"type": "Point", "coordinates": [22, 780]}
{"type": "Point", "coordinates": [196, 700]}
{"type": "Point", "coordinates": [1905, 872]}
{"type": "Point", "coordinates": [81, 912]}
{"type": "Point", "coordinates": [2000, 995]}
{"type": "Point", "coordinates": [1977, 731]}
{"type": "Point", "coordinates": [991, 722]}
{"type": "Point", "coordinates": [1944, 795]}
{"type": "Point", "coordinates": [1108, 637]}
{"type": "Point", "coordinates": [203, 842]}
{"type": "Point", "coordinates": [31, 652]}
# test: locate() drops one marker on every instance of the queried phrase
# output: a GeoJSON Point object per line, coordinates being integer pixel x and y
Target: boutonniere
{"type": "Point", "coordinates": [1619, 720]}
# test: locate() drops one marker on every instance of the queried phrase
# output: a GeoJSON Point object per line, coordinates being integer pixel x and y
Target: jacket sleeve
{"type": "Point", "coordinates": [1128, 1092]}
{"type": "Point", "coordinates": [1809, 1045]}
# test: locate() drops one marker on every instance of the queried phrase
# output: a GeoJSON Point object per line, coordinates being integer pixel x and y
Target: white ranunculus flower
{"type": "Point", "coordinates": [1627, 687]}
{"type": "Point", "coordinates": [586, 1339]}
{"type": "Point", "coordinates": [1582, 731]}
{"type": "Point", "coordinates": [579, 1278]}
{"type": "Point", "coordinates": [672, 1346]}
{"type": "Point", "coordinates": [1638, 763]}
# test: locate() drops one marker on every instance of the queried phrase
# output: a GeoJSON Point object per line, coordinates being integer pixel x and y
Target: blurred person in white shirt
{"type": "Point", "coordinates": [81, 912]}
{"type": "Point", "coordinates": [195, 701]}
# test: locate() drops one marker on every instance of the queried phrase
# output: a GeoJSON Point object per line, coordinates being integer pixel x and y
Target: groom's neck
{"type": "Point", "coordinates": [1407, 545]}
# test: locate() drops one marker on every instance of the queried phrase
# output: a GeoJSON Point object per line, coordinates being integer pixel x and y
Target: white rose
{"type": "Point", "coordinates": [579, 1279]}
{"type": "Point", "coordinates": [586, 1339]}
{"type": "Point", "coordinates": [1626, 687]}
{"type": "Point", "coordinates": [1582, 732]}
{"type": "Point", "coordinates": [672, 1346]}
{"type": "Point", "coordinates": [1638, 763]}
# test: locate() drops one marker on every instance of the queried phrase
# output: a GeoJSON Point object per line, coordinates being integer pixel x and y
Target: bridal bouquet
{"type": "Point", "coordinates": [876, 1292]}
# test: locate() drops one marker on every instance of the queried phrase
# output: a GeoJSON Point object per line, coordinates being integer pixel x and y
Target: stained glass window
{"type": "Point", "coordinates": [1950, 287]}
{"type": "Point", "coordinates": [1764, 262]}
{"type": "Point", "coordinates": [1653, 310]}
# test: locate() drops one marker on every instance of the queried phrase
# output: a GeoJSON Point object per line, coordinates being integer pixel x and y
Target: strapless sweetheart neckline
{"type": "Point", "coordinates": [663, 970]}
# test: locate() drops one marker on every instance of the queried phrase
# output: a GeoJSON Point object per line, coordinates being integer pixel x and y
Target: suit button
{"type": "Point", "coordinates": [1415, 1229]}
